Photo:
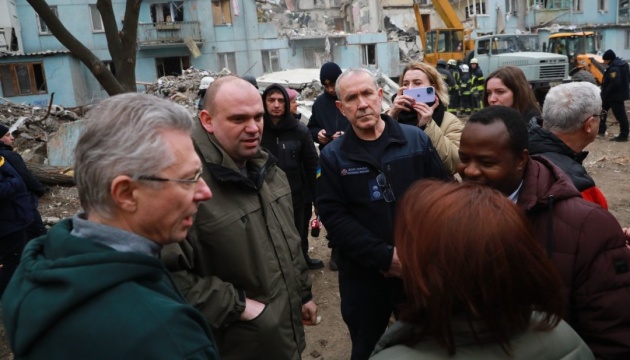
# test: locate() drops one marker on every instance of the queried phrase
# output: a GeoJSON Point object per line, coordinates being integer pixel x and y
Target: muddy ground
{"type": "Point", "coordinates": [608, 163]}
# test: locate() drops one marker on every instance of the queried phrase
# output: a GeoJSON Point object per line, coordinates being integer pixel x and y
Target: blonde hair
{"type": "Point", "coordinates": [441, 89]}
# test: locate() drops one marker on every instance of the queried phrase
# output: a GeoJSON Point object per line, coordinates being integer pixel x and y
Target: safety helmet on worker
{"type": "Point", "coordinates": [465, 68]}
{"type": "Point", "coordinates": [441, 62]}
{"type": "Point", "coordinates": [452, 62]}
{"type": "Point", "coordinates": [474, 61]}
{"type": "Point", "coordinates": [205, 82]}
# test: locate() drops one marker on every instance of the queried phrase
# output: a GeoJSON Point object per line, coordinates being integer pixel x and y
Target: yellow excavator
{"type": "Point", "coordinates": [451, 42]}
{"type": "Point", "coordinates": [580, 48]}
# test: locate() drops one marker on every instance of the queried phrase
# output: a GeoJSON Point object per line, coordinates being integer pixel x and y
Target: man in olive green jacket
{"type": "Point", "coordinates": [242, 265]}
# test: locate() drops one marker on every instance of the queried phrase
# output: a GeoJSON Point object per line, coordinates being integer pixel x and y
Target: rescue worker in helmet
{"type": "Point", "coordinates": [477, 84]}
{"type": "Point", "coordinates": [453, 92]}
{"type": "Point", "coordinates": [203, 87]}
{"type": "Point", "coordinates": [465, 95]}
{"type": "Point", "coordinates": [448, 78]}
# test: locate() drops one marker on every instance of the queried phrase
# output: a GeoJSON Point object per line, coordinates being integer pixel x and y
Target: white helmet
{"type": "Point", "coordinates": [452, 62]}
{"type": "Point", "coordinates": [465, 68]}
{"type": "Point", "coordinates": [474, 61]}
{"type": "Point", "coordinates": [205, 82]}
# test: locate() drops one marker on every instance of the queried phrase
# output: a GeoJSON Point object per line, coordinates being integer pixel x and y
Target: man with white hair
{"type": "Point", "coordinates": [572, 113]}
{"type": "Point", "coordinates": [94, 286]}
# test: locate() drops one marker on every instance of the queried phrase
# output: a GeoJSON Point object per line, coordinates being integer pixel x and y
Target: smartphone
{"type": "Point", "coordinates": [421, 94]}
{"type": "Point", "coordinates": [328, 135]}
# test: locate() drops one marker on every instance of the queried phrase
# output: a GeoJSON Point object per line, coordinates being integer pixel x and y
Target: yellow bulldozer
{"type": "Point", "coordinates": [580, 48]}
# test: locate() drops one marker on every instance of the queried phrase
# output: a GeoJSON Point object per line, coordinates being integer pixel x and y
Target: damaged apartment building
{"type": "Point", "coordinates": [244, 36]}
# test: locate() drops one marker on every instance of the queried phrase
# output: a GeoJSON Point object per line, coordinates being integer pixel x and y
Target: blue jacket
{"type": "Point", "coordinates": [359, 224]}
{"type": "Point", "coordinates": [16, 210]}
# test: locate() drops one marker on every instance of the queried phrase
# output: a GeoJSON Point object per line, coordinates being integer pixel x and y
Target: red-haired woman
{"type": "Point", "coordinates": [478, 285]}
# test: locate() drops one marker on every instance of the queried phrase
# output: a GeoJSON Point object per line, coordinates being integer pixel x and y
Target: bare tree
{"type": "Point", "coordinates": [121, 44]}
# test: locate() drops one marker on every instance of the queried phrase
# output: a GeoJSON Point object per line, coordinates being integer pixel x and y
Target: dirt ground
{"type": "Point", "coordinates": [608, 163]}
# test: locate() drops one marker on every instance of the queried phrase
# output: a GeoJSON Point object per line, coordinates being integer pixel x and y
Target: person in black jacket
{"type": "Point", "coordinates": [362, 175]}
{"type": "Point", "coordinates": [327, 123]}
{"type": "Point", "coordinates": [35, 188]}
{"type": "Point", "coordinates": [290, 142]}
{"type": "Point", "coordinates": [614, 92]}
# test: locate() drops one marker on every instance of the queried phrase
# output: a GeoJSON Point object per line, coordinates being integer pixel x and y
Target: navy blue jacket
{"type": "Point", "coordinates": [16, 210]}
{"type": "Point", "coordinates": [615, 83]}
{"type": "Point", "coordinates": [326, 116]}
{"type": "Point", "coordinates": [359, 225]}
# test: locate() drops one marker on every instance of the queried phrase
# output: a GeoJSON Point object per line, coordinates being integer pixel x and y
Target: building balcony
{"type": "Point", "coordinates": [169, 34]}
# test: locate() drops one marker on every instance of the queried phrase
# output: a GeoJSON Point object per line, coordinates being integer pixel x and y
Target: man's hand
{"type": "Point", "coordinates": [309, 313]}
{"type": "Point", "coordinates": [253, 308]}
{"type": "Point", "coordinates": [395, 269]}
{"type": "Point", "coordinates": [322, 138]}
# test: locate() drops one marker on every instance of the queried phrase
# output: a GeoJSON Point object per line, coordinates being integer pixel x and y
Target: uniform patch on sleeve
{"type": "Point", "coordinates": [612, 75]}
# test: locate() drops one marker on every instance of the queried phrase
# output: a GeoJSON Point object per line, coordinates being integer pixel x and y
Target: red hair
{"type": "Point", "coordinates": [467, 252]}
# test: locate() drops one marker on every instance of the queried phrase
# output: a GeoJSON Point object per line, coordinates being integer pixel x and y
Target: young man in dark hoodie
{"type": "Point", "coordinates": [290, 142]}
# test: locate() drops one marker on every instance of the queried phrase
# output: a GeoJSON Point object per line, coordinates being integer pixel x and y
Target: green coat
{"type": "Point", "coordinates": [244, 244]}
{"type": "Point", "coordinates": [75, 299]}
{"type": "Point", "coordinates": [561, 343]}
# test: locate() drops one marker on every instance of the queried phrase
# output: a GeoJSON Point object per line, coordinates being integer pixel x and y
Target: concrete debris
{"type": "Point", "coordinates": [31, 125]}
{"type": "Point", "coordinates": [183, 89]}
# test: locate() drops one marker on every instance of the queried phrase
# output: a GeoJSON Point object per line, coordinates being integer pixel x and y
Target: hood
{"type": "Point", "coordinates": [544, 141]}
{"type": "Point", "coordinates": [57, 273]}
{"type": "Point", "coordinates": [288, 117]}
{"type": "Point", "coordinates": [543, 181]}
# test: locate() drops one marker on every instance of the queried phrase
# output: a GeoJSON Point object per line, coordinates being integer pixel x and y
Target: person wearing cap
{"type": "Point", "coordinates": [33, 186]}
{"type": "Point", "coordinates": [290, 142]}
{"type": "Point", "coordinates": [445, 74]}
{"type": "Point", "coordinates": [614, 92]}
{"type": "Point", "coordinates": [251, 79]}
{"type": "Point", "coordinates": [327, 122]}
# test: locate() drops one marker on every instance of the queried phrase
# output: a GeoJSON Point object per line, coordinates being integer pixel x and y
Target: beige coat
{"type": "Point", "coordinates": [445, 139]}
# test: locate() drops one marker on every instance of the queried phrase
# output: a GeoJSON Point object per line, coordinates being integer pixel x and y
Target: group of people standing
{"type": "Point", "coordinates": [465, 84]}
{"type": "Point", "coordinates": [193, 234]}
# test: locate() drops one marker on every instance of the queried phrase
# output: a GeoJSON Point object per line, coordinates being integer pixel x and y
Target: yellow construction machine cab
{"type": "Point", "coordinates": [581, 49]}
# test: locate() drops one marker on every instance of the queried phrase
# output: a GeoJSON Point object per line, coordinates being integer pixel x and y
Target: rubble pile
{"type": "Point", "coordinates": [32, 125]}
{"type": "Point", "coordinates": [183, 89]}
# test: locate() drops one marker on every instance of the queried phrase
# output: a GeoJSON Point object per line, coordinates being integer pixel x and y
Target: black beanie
{"type": "Point", "coordinates": [3, 130]}
{"type": "Point", "coordinates": [251, 79]}
{"type": "Point", "coordinates": [329, 73]}
{"type": "Point", "coordinates": [609, 55]}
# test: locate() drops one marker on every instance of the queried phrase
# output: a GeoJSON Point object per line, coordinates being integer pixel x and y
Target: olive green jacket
{"type": "Point", "coordinates": [244, 244]}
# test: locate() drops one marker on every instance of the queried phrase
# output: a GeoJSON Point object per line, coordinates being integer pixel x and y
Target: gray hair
{"type": "Point", "coordinates": [353, 71]}
{"type": "Point", "coordinates": [568, 105]}
{"type": "Point", "coordinates": [122, 136]}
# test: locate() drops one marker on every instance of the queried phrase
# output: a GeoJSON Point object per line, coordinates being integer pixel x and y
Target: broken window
{"type": "Point", "coordinates": [624, 11]}
{"type": "Point", "coordinates": [43, 28]}
{"type": "Point", "coordinates": [23, 79]}
{"type": "Point", "coordinates": [271, 61]}
{"type": "Point", "coordinates": [227, 61]}
{"type": "Point", "coordinates": [368, 54]}
{"type": "Point", "coordinates": [167, 12]}
{"type": "Point", "coordinates": [602, 5]}
{"type": "Point", "coordinates": [478, 8]}
{"type": "Point", "coordinates": [171, 65]}
{"type": "Point", "coordinates": [511, 7]}
{"type": "Point", "coordinates": [97, 22]}
{"type": "Point", "coordinates": [221, 12]}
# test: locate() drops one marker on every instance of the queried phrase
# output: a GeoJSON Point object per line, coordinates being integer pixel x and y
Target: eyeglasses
{"type": "Point", "coordinates": [602, 115]}
{"type": "Point", "coordinates": [388, 193]}
{"type": "Point", "coordinates": [194, 180]}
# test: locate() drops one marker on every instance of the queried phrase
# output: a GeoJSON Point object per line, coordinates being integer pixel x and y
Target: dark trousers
{"type": "Point", "coordinates": [619, 110]}
{"type": "Point", "coordinates": [454, 102]}
{"type": "Point", "coordinates": [37, 227]}
{"type": "Point", "coordinates": [11, 246]}
{"type": "Point", "coordinates": [367, 301]}
{"type": "Point", "coordinates": [301, 224]}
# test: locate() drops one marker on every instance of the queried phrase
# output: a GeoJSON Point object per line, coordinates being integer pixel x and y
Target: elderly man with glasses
{"type": "Point", "coordinates": [363, 173]}
{"type": "Point", "coordinates": [94, 287]}
{"type": "Point", "coordinates": [571, 116]}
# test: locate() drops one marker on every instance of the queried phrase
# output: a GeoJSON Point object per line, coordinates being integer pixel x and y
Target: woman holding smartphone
{"type": "Point", "coordinates": [443, 128]}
